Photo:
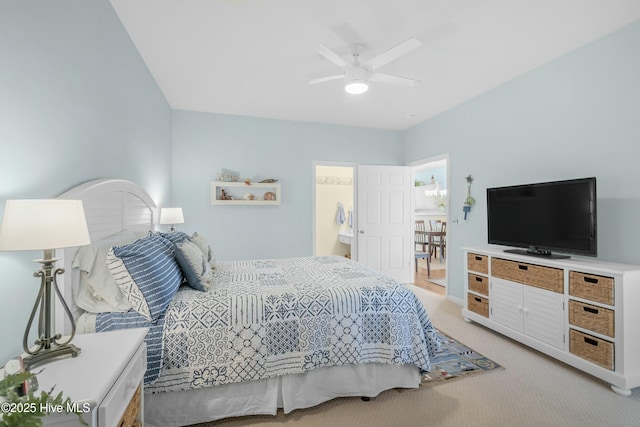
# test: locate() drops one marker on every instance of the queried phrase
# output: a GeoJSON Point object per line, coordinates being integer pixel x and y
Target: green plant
{"type": "Point", "coordinates": [28, 410]}
{"type": "Point", "coordinates": [469, 200]}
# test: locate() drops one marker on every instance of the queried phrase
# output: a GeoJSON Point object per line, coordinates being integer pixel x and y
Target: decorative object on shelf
{"type": "Point", "coordinates": [171, 216]}
{"type": "Point", "coordinates": [247, 181]}
{"type": "Point", "coordinates": [45, 224]}
{"type": "Point", "coordinates": [469, 201]}
{"type": "Point", "coordinates": [248, 196]}
{"type": "Point", "coordinates": [224, 195]}
{"type": "Point", "coordinates": [268, 181]}
{"type": "Point", "coordinates": [226, 175]}
{"type": "Point", "coordinates": [270, 195]}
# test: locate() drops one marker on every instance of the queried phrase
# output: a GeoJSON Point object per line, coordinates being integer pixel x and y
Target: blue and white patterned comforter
{"type": "Point", "coordinates": [264, 318]}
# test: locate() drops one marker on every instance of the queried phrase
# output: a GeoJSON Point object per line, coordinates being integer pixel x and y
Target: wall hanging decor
{"type": "Point", "coordinates": [469, 201]}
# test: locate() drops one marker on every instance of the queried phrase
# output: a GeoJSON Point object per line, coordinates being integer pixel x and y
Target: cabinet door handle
{"type": "Point", "coordinates": [522, 267]}
{"type": "Point", "coordinates": [478, 258]}
{"type": "Point", "coordinates": [478, 279]}
{"type": "Point", "coordinates": [477, 299]}
{"type": "Point", "coordinates": [591, 280]}
{"type": "Point", "coordinates": [591, 341]}
{"type": "Point", "coordinates": [590, 310]}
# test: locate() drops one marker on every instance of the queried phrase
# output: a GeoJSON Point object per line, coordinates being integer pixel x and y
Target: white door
{"type": "Point", "coordinates": [384, 232]}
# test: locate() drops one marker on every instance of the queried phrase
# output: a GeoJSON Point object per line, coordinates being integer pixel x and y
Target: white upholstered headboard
{"type": "Point", "coordinates": [110, 206]}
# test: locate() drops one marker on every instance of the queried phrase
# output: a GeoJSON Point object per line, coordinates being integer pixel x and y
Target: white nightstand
{"type": "Point", "coordinates": [106, 374]}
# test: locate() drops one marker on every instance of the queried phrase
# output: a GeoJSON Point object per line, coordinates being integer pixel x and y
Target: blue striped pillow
{"type": "Point", "coordinates": [147, 273]}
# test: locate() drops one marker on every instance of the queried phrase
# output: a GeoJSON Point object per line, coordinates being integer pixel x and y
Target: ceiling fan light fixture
{"type": "Point", "coordinates": [356, 86]}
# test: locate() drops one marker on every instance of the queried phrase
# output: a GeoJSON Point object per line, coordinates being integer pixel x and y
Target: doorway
{"type": "Point", "coordinates": [378, 232]}
{"type": "Point", "coordinates": [334, 200]}
{"type": "Point", "coordinates": [431, 210]}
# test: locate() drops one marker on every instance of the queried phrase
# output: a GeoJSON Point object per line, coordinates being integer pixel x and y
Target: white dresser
{"type": "Point", "coordinates": [104, 380]}
{"type": "Point", "coordinates": [581, 311]}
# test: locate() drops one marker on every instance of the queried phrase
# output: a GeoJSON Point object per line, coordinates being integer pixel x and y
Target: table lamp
{"type": "Point", "coordinates": [45, 224]}
{"type": "Point", "coordinates": [171, 216]}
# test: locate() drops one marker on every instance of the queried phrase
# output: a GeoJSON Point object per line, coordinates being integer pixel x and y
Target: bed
{"type": "Point", "coordinates": [251, 337]}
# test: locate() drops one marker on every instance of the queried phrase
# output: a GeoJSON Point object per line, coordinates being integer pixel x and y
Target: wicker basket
{"type": "Point", "coordinates": [129, 418]}
{"type": "Point", "coordinates": [479, 284]}
{"type": "Point", "coordinates": [596, 319]}
{"type": "Point", "coordinates": [591, 348]}
{"type": "Point", "coordinates": [478, 305]}
{"type": "Point", "coordinates": [478, 263]}
{"type": "Point", "coordinates": [551, 279]}
{"type": "Point", "coordinates": [591, 287]}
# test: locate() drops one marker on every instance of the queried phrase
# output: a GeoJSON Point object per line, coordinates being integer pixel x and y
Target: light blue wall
{"type": "Point", "coordinates": [203, 144]}
{"type": "Point", "coordinates": [575, 117]}
{"type": "Point", "coordinates": [76, 103]}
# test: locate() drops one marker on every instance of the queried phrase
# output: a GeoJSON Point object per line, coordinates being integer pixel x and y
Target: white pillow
{"type": "Point", "coordinates": [203, 244]}
{"type": "Point", "coordinates": [194, 265]}
{"type": "Point", "coordinates": [96, 291]}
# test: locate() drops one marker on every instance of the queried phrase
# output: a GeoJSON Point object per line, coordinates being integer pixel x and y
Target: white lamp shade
{"type": "Point", "coordinates": [171, 216]}
{"type": "Point", "coordinates": [41, 224]}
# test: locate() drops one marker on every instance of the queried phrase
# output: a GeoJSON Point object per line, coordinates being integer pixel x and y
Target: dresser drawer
{"type": "Point", "coordinates": [478, 263]}
{"type": "Point", "coordinates": [591, 348]}
{"type": "Point", "coordinates": [117, 400]}
{"type": "Point", "coordinates": [547, 278]}
{"type": "Point", "coordinates": [479, 284]}
{"type": "Point", "coordinates": [591, 287]}
{"type": "Point", "coordinates": [596, 319]}
{"type": "Point", "coordinates": [478, 304]}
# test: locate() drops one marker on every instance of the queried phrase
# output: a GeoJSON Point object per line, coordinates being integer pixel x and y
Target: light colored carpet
{"type": "Point", "coordinates": [532, 390]}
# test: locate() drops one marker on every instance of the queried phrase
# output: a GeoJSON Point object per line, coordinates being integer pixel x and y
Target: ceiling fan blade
{"type": "Point", "coordinates": [396, 80]}
{"type": "Point", "coordinates": [332, 56]}
{"type": "Point", "coordinates": [394, 53]}
{"type": "Point", "coordinates": [325, 79]}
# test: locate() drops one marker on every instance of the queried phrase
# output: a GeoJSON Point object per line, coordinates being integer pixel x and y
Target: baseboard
{"type": "Point", "coordinates": [456, 300]}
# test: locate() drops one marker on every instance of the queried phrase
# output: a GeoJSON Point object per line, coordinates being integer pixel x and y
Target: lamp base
{"type": "Point", "coordinates": [47, 355]}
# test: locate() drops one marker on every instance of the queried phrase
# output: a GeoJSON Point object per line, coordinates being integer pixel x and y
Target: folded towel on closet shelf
{"type": "Point", "coordinates": [340, 216]}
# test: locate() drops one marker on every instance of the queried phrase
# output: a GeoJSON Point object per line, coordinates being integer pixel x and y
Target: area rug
{"type": "Point", "coordinates": [454, 361]}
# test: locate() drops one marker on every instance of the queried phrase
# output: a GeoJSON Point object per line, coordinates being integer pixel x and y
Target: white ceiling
{"type": "Point", "coordinates": [255, 57]}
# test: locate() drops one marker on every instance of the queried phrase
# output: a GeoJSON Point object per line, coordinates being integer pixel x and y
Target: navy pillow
{"type": "Point", "coordinates": [147, 273]}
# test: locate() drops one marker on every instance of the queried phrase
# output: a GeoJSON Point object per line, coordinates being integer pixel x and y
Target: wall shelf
{"type": "Point", "coordinates": [244, 194]}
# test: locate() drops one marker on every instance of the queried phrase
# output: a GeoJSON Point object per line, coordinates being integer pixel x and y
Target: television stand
{"type": "Point", "coordinates": [579, 311]}
{"type": "Point", "coordinates": [541, 253]}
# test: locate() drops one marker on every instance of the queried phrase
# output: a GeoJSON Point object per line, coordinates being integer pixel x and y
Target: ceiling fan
{"type": "Point", "coordinates": [357, 76]}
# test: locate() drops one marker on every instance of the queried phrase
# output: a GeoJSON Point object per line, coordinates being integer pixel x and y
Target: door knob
{"type": "Point", "coordinates": [361, 231]}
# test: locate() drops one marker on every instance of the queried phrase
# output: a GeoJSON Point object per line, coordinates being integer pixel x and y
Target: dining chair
{"type": "Point", "coordinates": [420, 237]}
{"type": "Point", "coordinates": [440, 240]}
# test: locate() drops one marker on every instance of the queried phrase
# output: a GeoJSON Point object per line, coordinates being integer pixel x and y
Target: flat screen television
{"type": "Point", "coordinates": [544, 217]}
